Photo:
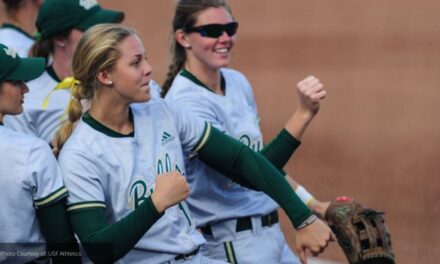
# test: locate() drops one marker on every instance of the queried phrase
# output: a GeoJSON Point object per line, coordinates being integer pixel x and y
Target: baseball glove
{"type": "Point", "coordinates": [361, 232]}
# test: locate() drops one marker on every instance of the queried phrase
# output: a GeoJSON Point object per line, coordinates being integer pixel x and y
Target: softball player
{"type": "Point", "coordinates": [33, 195]}
{"type": "Point", "coordinates": [233, 219]}
{"type": "Point", "coordinates": [123, 164]}
{"type": "Point", "coordinates": [18, 29]}
{"type": "Point", "coordinates": [60, 24]}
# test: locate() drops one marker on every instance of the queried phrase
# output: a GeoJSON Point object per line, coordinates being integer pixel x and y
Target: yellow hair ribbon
{"type": "Point", "coordinates": [66, 84]}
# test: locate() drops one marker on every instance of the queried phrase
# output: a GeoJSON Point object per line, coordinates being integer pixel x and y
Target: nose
{"type": "Point", "coordinates": [224, 37]}
{"type": "Point", "coordinates": [148, 69]}
{"type": "Point", "coordinates": [24, 88]}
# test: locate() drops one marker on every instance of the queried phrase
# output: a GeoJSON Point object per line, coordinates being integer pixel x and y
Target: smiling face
{"type": "Point", "coordinates": [207, 52]}
{"type": "Point", "coordinates": [11, 97]}
{"type": "Point", "coordinates": [131, 74]}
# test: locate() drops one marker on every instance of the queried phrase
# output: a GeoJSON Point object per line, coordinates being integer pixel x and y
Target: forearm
{"type": "Point", "coordinates": [98, 237]}
{"type": "Point", "coordinates": [298, 123]}
{"type": "Point", "coordinates": [280, 149]}
{"type": "Point", "coordinates": [239, 163]}
{"type": "Point", "coordinates": [57, 230]}
{"type": "Point", "coordinates": [314, 204]}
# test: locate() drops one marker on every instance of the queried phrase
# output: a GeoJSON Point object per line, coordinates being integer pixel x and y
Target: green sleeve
{"type": "Point", "coordinates": [57, 230]}
{"type": "Point", "coordinates": [280, 149]}
{"type": "Point", "coordinates": [106, 243]}
{"type": "Point", "coordinates": [241, 164]}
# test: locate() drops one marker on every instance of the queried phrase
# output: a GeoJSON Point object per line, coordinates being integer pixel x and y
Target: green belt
{"type": "Point", "coordinates": [245, 223]}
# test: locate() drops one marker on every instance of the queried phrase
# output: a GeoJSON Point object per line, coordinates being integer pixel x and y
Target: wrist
{"type": "Point", "coordinates": [305, 196]}
{"type": "Point", "coordinates": [307, 222]}
{"type": "Point", "coordinates": [157, 203]}
{"type": "Point", "coordinates": [305, 114]}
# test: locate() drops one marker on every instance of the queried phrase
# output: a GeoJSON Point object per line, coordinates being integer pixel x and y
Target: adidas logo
{"type": "Point", "coordinates": [166, 138]}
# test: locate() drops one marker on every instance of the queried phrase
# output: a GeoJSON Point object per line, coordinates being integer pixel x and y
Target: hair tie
{"type": "Point", "coordinates": [38, 36]}
{"type": "Point", "coordinates": [66, 84]}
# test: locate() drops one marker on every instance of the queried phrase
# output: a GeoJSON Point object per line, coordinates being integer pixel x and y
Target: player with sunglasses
{"type": "Point", "coordinates": [240, 225]}
{"type": "Point", "coordinates": [214, 30]}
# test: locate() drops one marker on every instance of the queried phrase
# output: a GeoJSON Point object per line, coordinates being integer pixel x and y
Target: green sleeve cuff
{"type": "Point", "coordinates": [106, 243]}
{"type": "Point", "coordinates": [280, 149]}
{"type": "Point", "coordinates": [242, 165]}
{"type": "Point", "coordinates": [57, 230]}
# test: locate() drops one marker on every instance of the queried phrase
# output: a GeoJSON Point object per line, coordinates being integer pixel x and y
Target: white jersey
{"type": "Point", "coordinates": [44, 123]}
{"type": "Point", "coordinates": [102, 168]}
{"type": "Point", "coordinates": [213, 197]}
{"type": "Point", "coordinates": [17, 39]}
{"type": "Point", "coordinates": [30, 178]}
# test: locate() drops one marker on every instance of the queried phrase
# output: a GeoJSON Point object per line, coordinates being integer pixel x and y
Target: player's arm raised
{"type": "Point", "coordinates": [251, 169]}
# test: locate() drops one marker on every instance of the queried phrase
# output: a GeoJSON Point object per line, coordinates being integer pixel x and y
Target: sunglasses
{"type": "Point", "coordinates": [214, 30]}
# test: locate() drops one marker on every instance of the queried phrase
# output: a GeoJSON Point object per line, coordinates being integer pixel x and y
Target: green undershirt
{"type": "Point", "coordinates": [57, 230]}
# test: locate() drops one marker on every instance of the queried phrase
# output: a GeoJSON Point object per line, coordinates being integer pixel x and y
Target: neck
{"type": "Point", "coordinates": [210, 77]}
{"type": "Point", "coordinates": [61, 65]}
{"type": "Point", "coordinates": [24, 17]}
{"type": "Point", "coordinates": [1, 119]}
{"type": "Point", "coordinates": [111, 112]}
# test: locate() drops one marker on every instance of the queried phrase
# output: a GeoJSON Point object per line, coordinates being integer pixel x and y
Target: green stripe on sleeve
{"type": "Point", "coordinates": [203, 138]}
{"type": "Point", "coordinates": [85, 205]}
{"type": "Point", "coordinates": [51, 198]}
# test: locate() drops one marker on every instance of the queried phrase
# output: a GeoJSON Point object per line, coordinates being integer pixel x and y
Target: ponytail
{"type": "Point", "coordinates": [177, 63]}
{"type": "Point", "coordinates": [74, 113]}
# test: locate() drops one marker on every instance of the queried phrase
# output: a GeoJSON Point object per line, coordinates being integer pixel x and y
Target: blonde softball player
{"type": "Point", "coordinates": [124, 165]}
{"type": "Point", "coordinates": [33, 194]}
{"type": "Point", "coordinates": [236, 221]}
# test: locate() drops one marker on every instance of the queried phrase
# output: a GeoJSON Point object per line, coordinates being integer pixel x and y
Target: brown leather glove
{"type": "Point", "coordinates": [361, 232]}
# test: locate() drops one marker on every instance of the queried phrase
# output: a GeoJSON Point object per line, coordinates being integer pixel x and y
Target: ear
{"type": "Point", "coordinates": [182, 39]}
{"type": "Point", "coordinates": [59, 42]}
{"type": "Point", "coordinates": [104, 78]}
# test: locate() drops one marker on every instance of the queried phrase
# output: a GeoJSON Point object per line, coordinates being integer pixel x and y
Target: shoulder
{"type": "Point", "coordinates": [18, 142]}
{"type": "Point", "coordinates": [16, 40]}
{"type": "Point", "coordinates": [184, 90]}
{"type": "Point", "coordinates": [82, 139]}
{"type": "Point", "coordinates": [229, 73]}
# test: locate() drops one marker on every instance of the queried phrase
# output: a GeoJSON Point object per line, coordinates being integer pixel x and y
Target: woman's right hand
{"type": "Point", "coordinates": [310, 92]}
{"type": "Point", "coordinates": [171, 188]}
{"type": "Point", "coordinates": [314, 237]}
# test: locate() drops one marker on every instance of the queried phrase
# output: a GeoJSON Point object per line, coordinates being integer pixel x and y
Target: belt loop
{"type": "Point", "coordinates": [257, 225]}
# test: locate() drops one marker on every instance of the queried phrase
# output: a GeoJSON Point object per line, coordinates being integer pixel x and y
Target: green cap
{"type": "Point", "coordinates": [14, 68]}
{"type": "Point", "coordinates": [57, 16]}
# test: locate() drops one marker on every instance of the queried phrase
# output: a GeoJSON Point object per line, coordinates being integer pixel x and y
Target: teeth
{"type": "Point", "coordinates": [223, 50]}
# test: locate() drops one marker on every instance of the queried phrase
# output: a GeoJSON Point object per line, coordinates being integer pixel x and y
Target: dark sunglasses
{"type": "Point", "coordinates": [214, 30]}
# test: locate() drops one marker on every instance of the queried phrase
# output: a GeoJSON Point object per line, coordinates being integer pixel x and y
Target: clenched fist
{"type": "Point", "coordinates": [171, 188]}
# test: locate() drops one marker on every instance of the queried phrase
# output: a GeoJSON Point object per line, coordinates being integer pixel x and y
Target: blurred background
{"type": "Point", "coordinates": [375, 138]}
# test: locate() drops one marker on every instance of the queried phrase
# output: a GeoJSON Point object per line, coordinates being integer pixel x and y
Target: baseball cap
{"type": "Point", "coordinates": [57, 16]}
{"type": "Point", "coordinates": [14, 68]}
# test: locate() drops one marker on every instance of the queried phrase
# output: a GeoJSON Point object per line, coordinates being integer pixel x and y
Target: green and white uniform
{"type": "Point", "coordinates": [215, 201]}
{"type": "Point", "coordinates": [16, 39]}
{"type": "Point", "coordinates": [31, 179]}
{"type": "Point", "coordinates": [104, 169]}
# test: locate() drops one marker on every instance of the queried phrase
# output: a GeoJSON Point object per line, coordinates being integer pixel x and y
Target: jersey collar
{"type": "Point", "coordinates": [185, 73]}
{"type": "Point", "coordinates": [53, 74]}
{"type": "Point", "coordinates": [12, 26]}
{"type": "Point", "coordinates": [88, 119]}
